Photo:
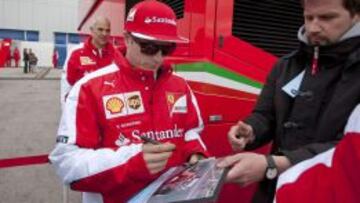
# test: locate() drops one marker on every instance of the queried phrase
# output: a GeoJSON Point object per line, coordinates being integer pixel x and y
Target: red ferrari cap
{"type": "Point", "coordinates": [153, 20]}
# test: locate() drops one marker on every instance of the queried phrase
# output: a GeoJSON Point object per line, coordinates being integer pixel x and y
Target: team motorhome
{"type": "Point", "coordinates": [233, 45]}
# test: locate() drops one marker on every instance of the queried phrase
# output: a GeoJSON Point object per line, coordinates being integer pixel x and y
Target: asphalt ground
{"type": "Point", "coordinates": [29, 116]}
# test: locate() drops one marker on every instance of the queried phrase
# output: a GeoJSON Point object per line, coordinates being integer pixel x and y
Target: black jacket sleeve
{"type": "Point", "coordinates": [262, 118]}
{"type": "Point", "coordinates": [308, 151]}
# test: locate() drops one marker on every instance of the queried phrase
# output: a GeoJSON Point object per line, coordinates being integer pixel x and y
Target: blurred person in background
{"type": "Point", "coordinates": [95, 53]}
{"type": "Point", "coordinates": [26, 60]}
{"type": "Point", "coordinates": [55, 58]}
{"type": "Point", "coordinates": [16, 56]}
{"type": "Point", "coordinates": [32, 61]}
{"type": "Point", "coordinates": [8, 58]}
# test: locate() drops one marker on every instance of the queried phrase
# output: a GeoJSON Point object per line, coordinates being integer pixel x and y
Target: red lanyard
{"type": "Point", "coordinates": [314, 67]}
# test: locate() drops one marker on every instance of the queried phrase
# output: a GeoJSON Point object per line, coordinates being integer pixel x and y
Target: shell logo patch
{"type": "Point", "coordinates": [123, 104]}
{"type": "Point", "coordinates": [114, 105]}
{"type": "Point", "coordinates": [85, 60]}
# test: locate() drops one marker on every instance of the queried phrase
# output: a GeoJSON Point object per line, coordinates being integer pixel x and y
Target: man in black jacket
{"type": "Point", "coordinates": [306, 100]}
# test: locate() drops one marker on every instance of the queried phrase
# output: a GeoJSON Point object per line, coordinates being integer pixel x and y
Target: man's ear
{"type": "Point", "coordinates": [357, 17]}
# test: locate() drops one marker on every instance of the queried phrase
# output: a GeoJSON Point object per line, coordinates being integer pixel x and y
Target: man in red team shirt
{"type": "Point", "coordinates": [99, 148]}
{"type": "Point", "coordinates": [16, 56]}
{"type": "Point", "coordinates": [97, 52]}
{"type": "Point", "coordinates": [55, 58]}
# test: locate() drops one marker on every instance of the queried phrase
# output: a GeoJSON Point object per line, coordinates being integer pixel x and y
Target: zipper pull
{"type": "Point", "coordinates": [315, 60]}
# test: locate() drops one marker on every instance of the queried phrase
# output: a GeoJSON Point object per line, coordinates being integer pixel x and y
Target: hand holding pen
{"type": "Point", "coordinates": [156, 154]}
{"type": "Point", "coordinates": [192, 160]}
{"type": "Point", "coordinates": [149, 140]}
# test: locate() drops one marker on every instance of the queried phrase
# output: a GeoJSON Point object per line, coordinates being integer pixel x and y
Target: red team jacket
{"type": "Point", "coordinates": [330, 177]}
{"type": "Point", "coordinates": [99, 149]}
{"type": "Point", "coordinates": [87, 59]}
{"type": "Point", "coordinates": [82, 60]}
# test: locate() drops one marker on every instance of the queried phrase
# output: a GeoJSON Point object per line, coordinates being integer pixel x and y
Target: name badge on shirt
{"type": "Point", "coordinates": [292, 87]}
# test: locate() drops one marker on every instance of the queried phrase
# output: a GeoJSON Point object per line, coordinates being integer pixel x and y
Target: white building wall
{"type": "Point", "coordinates": [115, 11]}
{"type": "Point", "coordinates": [45, 16]}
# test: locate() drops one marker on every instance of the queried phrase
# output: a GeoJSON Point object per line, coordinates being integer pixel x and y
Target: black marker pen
{"type": "Point", "coordinates": [149, 140]}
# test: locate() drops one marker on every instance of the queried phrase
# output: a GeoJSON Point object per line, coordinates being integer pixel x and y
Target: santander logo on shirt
{"type": "Point", "coordinates": [159, 135]}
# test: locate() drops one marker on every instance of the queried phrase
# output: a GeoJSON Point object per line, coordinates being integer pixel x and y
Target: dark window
{"type": "Point", "coordinates": [129, 4]}
{"type": "Point", "coordinates": [73, 38]}
{"type": "Point", "coordinates": [177, 6]}
{"type": "Point", "coordinates": [268, 24]}
{"type": "Point", "coordinates": [32, 36]}
{"type": "Point", "coordinates": [12, 33]}
{"type": "Point", "coordinates": [60, 38]}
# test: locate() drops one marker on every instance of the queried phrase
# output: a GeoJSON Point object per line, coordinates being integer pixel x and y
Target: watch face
{"type": "Point", "coordinates": [271, 173]}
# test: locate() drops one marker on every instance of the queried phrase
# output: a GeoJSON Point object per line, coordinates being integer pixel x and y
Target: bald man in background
{"type": "Point", "coordinates": [96, 52]}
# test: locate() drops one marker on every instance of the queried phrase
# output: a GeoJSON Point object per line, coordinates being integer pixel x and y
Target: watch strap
{"type": "Point", "coordinates": [270, 161]}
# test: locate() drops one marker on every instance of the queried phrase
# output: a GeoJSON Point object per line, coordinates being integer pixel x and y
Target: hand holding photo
{"type": "Point", "coordinates": [196, 183]}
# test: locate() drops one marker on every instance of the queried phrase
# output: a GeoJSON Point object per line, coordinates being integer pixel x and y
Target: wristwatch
{"type": "Point", "coordinates": [271, 170]}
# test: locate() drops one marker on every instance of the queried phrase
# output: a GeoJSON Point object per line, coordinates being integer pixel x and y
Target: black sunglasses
{"type": "Point", "coordinates": [150, 48]}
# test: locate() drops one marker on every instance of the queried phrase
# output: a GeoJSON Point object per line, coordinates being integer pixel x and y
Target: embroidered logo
{"type": "Point", "coordinates": [159, 135]}
{"type": "Point", "coordinates": [110, 83]}
{"type": "Point", "coordinates": [155, 19]}
{"type": "Point", "coordinates": [176, 102]}
{"type": "Point", "coordinates": [85, 60]}
{"type": "Point", "coordinates": [122, 141]}
{"type": "Point", "coordinates": [134, 102]}
{"type": "Point", "coordinates": [170, 97]}
{"type": "Point", "coordinates": [114, 105]}
{"type": "Point", "coordinates": [128, 124]}
{"type": "Point", "coordinates": [131, 15]}
{"type": "Point", "coordinates": [62, 139]}
{"type": "Point", "coordinates": [123, 104]}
